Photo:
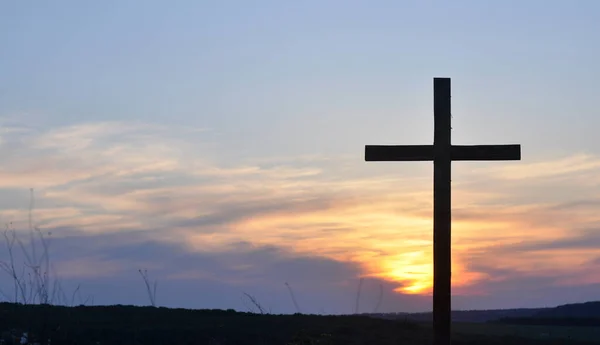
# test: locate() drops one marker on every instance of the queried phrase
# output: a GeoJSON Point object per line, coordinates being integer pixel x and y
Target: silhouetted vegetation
{"type": "Point", "coordinates": [150, 325]}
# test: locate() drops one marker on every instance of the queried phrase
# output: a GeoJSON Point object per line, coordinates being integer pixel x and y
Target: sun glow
{"type": "Point", "coordinates": [413, 271]}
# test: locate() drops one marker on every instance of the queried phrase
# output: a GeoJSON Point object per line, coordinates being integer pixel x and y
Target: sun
{"type": "Point", "coordinates": [413, 271]}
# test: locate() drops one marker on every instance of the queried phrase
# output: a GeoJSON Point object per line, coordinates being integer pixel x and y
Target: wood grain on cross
{"type": "Point", "coordinates": [442, 153]}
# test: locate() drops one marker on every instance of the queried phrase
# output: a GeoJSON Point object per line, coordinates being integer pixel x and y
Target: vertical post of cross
{"type": "Point", "coordinates": [442, 261]}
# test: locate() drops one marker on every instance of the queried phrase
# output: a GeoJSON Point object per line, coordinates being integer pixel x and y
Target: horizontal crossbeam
{"type": "Point", "coordinates": [386, 153]}
{"type": "Point", "coordinates": [486, 153]}
{"type": "Point", "coordinates": [408, 153]}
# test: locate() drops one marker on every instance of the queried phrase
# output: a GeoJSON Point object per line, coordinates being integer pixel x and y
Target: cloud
{"type": "Point", "coordinates": [561, 168]}
{"type": "Point", "coordinates": [155, 195]}
{"type": "Point", "coordinates": [107, 264]}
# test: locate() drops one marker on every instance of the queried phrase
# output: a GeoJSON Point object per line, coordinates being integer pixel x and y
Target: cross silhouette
{"type": "Point", "coordinates": [442, 153]}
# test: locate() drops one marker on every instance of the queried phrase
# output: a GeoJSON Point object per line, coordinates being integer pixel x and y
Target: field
{"type": "Point", "coordinates": [148, 325]}
{"type": "Point", "coordinates": [589, 334]}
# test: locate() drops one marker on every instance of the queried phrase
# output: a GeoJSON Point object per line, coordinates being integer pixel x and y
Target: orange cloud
{"type": "Point", "coordinates": [110, 177]}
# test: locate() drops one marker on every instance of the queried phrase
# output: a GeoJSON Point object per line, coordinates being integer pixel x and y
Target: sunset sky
{"type": "Point", "coordinates": [220, 145]}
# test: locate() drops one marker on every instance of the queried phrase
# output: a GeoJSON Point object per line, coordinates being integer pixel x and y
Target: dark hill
{"type": "Point", "coordinates": [577, 310]}
{"type": "Point", "coordinates": [463, 315]}
{"type": "Point", "coordinates": [587, 310]}
{"type": "Point", "coordinates": [573, 315]}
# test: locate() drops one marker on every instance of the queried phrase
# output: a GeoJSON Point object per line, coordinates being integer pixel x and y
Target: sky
{"type": "Point", "coordinates": [219, 145]}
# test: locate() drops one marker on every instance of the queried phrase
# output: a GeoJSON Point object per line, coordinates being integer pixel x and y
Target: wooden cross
{"type": "Point", "coordinates": [442, 153]}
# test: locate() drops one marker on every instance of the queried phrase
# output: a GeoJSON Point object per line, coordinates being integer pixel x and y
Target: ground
{"type": "Point", "coordinates": [147, 325]}
{"type": "Point", "coordinates": [589, 334]}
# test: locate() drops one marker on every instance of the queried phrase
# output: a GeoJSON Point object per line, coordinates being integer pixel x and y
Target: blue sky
{"type": "Point", "coordinates": [145, 124]}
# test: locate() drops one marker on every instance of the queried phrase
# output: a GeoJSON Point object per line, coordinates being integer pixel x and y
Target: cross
{"type": "Point", "coordinates": [442, 153]}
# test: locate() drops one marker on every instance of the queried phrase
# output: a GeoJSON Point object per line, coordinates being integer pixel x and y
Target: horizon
{"type": "Point", "coordinates": [220, 146]}
{"type": "Point", "coordinates": [255, 310]}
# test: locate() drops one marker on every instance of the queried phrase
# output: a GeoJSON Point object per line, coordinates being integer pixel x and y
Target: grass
{"type": "Point", "coordinates": [151, 325]}
{"type": "Point", "coordinates": [589, 334]}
